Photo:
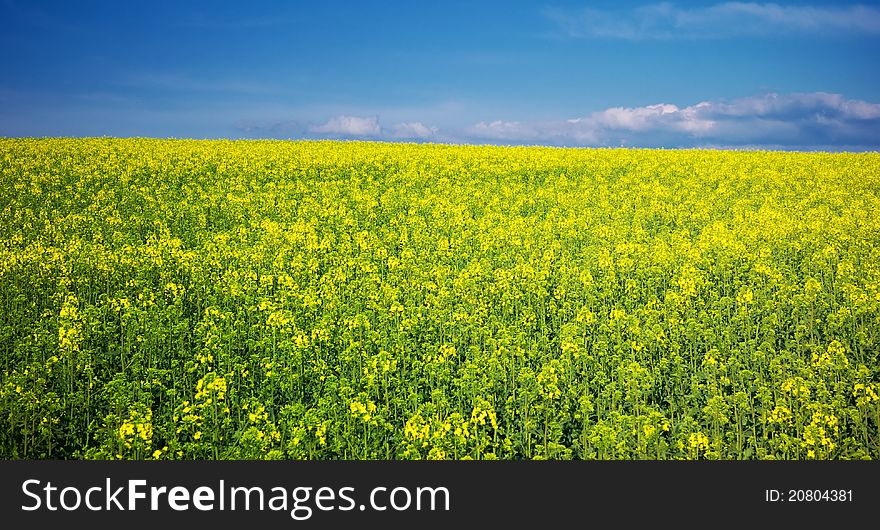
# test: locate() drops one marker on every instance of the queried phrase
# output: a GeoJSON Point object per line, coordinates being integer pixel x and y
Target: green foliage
{"type": "Point", "coordinates": [343, 300]}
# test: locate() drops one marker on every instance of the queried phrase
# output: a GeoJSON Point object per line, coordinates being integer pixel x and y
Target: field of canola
{"type": "Point", "coordinates": [170, 299]}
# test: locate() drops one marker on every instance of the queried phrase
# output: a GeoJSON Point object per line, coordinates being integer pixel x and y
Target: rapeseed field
{"type": "Point", "coordinates": [183, 299]}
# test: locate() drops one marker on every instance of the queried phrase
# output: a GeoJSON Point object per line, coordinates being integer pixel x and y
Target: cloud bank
{"type": "Point", "coordinates": [816, 120]}
{"type": "Point", "coordinates": [412, 130]}
{"type": "Point", "coordinates": [724, 20]}
{"type": "Point", "coordinates": [349, 126]}
{"type": "Point", "coordinates": [359, 127]}
{"type": "Point", "coordinates": [795, 120]}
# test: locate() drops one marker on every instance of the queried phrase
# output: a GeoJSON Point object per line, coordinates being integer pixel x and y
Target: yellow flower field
{"type": "Point", "coordinates": [181, 299]}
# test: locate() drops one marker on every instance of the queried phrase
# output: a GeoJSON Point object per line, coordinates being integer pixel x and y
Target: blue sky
{"type": "Point", "coordinates": [787, 74]}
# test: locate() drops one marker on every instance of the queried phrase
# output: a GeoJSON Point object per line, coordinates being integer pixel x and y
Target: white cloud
{"type": "Point", "coordinates": [794, 105]}
{"type": "Point", "coordinates": [644, 118]}
{"type": "Point", "coordinates": [507, 130]}
{"type": "Point", "coordinates": [667, 21]}
{"type": "Point", "coordinates": [412, 130]}
{"type": "Point", "coordinates": [349, 126]}
{"type": "Point", "coordinates": [793, 119]}
{"type": "Point", "coordinates": [800, 120]}
{"type": "Point", "coordinates": [344, 125]}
